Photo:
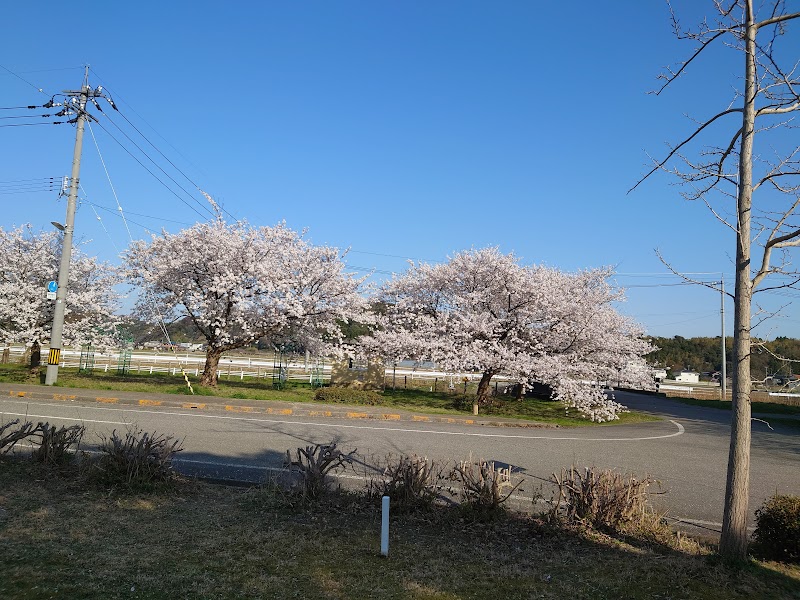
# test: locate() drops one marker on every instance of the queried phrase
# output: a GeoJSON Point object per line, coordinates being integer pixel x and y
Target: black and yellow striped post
{"type": "Point", "coordinates": [54, 356]}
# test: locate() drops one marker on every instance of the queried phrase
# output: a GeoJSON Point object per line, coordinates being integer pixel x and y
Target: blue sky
{"type": "Point", "coordinates": [398, 129]}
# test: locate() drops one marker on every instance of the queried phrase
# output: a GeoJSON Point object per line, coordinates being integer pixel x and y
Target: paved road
{"type": "Point", "coordinates": [686, 452]}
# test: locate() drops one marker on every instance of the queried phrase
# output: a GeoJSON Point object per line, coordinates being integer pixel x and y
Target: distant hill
{"type": "Point", "coordinates": [704, 354]}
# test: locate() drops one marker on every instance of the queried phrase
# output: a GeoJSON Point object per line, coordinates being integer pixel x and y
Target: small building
{"type": "Point", "coordinates": [688, 377]}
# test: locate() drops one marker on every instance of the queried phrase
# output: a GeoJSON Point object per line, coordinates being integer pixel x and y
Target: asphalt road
{"type": "Point", "coordinates": [686, 451]}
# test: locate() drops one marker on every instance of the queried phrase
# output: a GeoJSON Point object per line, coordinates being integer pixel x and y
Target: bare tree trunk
{"type": "Point", "coordinates": [733, 543]}
{"type": "Point", "coordinates": [209, 377]}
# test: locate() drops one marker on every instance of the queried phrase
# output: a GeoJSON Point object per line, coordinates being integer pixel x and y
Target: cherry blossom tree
{"type": "Point", "coordinates": [27, 262]}
{"type": "Point", "coordinates": [239, 283]}
{"type": "Point", "coordinates": [484, 311]}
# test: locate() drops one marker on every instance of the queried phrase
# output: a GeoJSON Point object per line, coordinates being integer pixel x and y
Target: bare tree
{"type": "Point", "coordinates": [763, 104]}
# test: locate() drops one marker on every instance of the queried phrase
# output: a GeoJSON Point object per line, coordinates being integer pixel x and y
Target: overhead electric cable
{"type": "Point", "coordinates": [154, 306]}
{"type": "Point", "coordinates": [127, 212]}
{"type": "Point", "coordinates": [38, 89]}
{"type": "Point", "coordinates": [110, 183]}
{"type": "Point", "coordinates": [25, 117]}
{"type": "Point", "coordinates": [133, 110]}
{"type": "Point", "coordinates": [35, 179]}
{"type": "Point", "coordinates": [393, 256]}
{"type": "Point", "coordinates": [655, 285]}
{"type": "Point", "coordinates": [155, 163]}
{"type": "Point", "coordinates": [149, 171]}
{"type": "Point", "coordinates": [27, 186]}
{"type": "Point", "coordinates": [223, 209]}
{"type": "Point", "coordinates": [20, 107]}
{"type": "Point", "coordinates": [34, 124]}
{"type": "Point", "coordinates": [165, 158]}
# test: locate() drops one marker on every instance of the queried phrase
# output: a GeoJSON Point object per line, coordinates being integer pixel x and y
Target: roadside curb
{"type": "Point", "coordinates": [257, 407]}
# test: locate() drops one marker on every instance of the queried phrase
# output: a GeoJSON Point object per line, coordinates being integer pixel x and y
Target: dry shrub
{"type": "Point", "coordinates": [411, 482]}
{"type": "Point", "coordinates": [138, 459]}
{"type": "Point", "coordinates": [483, 486]}
{"type": "Point", "coordinates": [55, 445]}
{"type": "Point", "coordinates": [777, 534]}
{"type": "Point", "coordinates": [313, 464]}
{"type": "Point", "coordinates": [9, 435]}
{"type": "Point", "coordinates": [603, 499]}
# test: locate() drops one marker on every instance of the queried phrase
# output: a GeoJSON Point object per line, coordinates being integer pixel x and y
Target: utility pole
{"type": "Point", "coordinates": [77, 103]}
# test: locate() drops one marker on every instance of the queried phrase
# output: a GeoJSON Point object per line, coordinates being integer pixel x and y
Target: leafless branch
{"type": "Point", "coordinates": [712, 286]}
{"type": "Point", "coordinates": [763, 421]}
{"type": "Point", "coordinates": [674, 151]}
{"type": "Point", "coordinates": [777, 19]}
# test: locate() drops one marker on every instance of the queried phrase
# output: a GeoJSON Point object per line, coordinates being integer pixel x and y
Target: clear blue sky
{"type": "Point", "coordinates": [398, 129]}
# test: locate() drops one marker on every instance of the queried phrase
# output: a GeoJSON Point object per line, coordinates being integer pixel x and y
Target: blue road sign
{"type": "Point", "coordinates": [52, 286]}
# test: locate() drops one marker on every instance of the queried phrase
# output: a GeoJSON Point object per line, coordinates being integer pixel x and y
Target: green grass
{"type": "Point", "coordinates": [530, 409]}
{"type": "Point", "coordinates": [62, 537]}
{"type": "Point", "coordinates": [413, 399]}
{"type": "Point", "coordinates": [757, 407]}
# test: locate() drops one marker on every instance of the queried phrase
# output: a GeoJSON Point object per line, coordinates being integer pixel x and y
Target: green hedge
{"type": "Point", "coordinates": [777, 534]}
{"type": "Point", "coordinates": [347, 396]}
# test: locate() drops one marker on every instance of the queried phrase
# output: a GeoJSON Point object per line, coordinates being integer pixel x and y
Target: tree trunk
{"type": "Point", "coordinates": [483, 388]}
{"type": "Point", "coordinates": [209, 377]}
{"type": "Point", "coordinates": [36, 356]}
{"type": "Point", "coordinates": [733, 542]}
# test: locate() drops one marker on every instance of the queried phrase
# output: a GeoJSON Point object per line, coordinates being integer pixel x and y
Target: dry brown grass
{"type": "Point", "coordinates": [63, 538]}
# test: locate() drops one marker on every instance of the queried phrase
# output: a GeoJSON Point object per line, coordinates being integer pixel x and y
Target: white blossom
{"type": "Point", "coordinates": [28, 261]}
{"type": "Point", "coordinates": [239, 283]}
{"type": "Point", "coordinates": [483, 311]}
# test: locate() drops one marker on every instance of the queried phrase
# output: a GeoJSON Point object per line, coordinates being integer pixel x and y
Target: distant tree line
{"type": "Point", "coordinates": [704, 355]}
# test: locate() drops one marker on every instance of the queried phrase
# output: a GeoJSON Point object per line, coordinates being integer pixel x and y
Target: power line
{"type": "Point", "coordinates": [165, 157]}
{"type": "Point", "coordinates": [34, 124]}
{"type": "Point", "coordinates": [26, 186]}
{"type": "Point", "coordinates": [142, 118]}
{"type": "Point", "coordinates": [369, 270]}
{"type": "Point", "coordinates": [34, 179]}
{"type": "Point", "coordinates": [20, 107]}
{"type": "Point", "coordinates": [154, 146]}
{"type": "Point", "coordinates": [392, 256]}
{"type": "Point", "coordinates": [151, 173]}
{"type": "Point", "coordinates": [38, 89]}
{"type": "Point", "coordinates": [156, 164]}
{"type": "Point", "coordinates": [127, 212]}
{"type": "Point", "coordinates": [25, 117]}
{"type": "Point", "coordinates": [656, 285]}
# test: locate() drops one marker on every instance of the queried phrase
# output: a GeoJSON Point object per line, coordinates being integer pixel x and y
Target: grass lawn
{"type": "Point", "coordinates": [446, 403]}
{"type": "Point", "coordinates": [63, 537]}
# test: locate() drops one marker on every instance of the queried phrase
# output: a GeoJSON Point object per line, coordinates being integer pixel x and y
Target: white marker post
{"type": "Point", "coordinates": [385, 526]}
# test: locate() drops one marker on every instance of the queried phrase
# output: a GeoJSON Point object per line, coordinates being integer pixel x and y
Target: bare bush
{"type": "Point", "coordinates": [484, 486]}
{"type": "Point", "coordinates": [313, 464]}
{"type": "Point", "coordinates": [10, 436]}
{"type": "Point", "coordinates": [411, 482]}
{"type": "Point", "coordinates": [55, 445]}
{"type": "Point", "coordinates": [138, 459]}
{"type": "Point", "coordinates": [603, 499]}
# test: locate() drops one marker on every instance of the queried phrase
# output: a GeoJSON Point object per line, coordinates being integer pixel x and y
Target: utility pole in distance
{"type": "Point", "coordinates": [76, 102]}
